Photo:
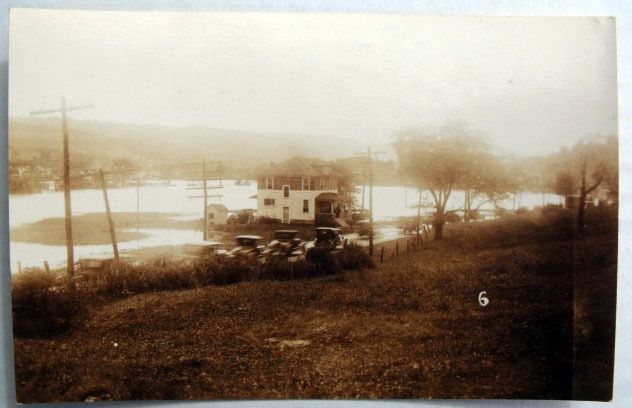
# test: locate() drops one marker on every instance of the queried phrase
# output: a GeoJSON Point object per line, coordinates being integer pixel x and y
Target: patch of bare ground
{"type": "Point", "coordinates": [412, 328]}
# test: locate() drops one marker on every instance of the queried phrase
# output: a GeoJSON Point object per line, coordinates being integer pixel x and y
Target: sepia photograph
{"type": "Point", "coordinates": [265, 206]}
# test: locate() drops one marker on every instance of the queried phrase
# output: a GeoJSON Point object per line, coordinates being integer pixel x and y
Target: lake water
{"type": "Point", "coordinates": [389, 202]}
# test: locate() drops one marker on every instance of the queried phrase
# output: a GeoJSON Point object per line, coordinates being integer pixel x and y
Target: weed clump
{"type": "Point", "coordinates": [353, 257]}
{"type": "Point", "coordinates": [324, 260]}
{"type": "Point", "coordinates": [42, 308]}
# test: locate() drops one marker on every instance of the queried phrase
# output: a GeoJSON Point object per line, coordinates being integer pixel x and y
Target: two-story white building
{"type": "Point", "coordinates": [298, 190]}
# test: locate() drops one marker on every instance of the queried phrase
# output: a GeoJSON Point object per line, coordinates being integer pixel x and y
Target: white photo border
{"type": "Point", "coordinates": [620, 9]}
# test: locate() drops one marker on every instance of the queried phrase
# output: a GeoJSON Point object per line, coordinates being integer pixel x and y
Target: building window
{"type": "Point", "coordinates": [305, 183]}
{"type": "Point", "coordinates": [305, 206]}
{"type": "Point", "coordinates": [327, 184]}
{"type": "Point", "coordinates": [269, 182]}
{"type": "Point", "coordinates": [286, 191]}
{"type": "Point", "coordinates": [326, 170]}
{"type": "Point", "coordinates": [211, 216]}
{"type": "Point", "coordinates": [268, 201]}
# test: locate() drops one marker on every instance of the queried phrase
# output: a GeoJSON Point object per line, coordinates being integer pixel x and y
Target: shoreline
{"type": "Point", "coordinates": [93, 229]}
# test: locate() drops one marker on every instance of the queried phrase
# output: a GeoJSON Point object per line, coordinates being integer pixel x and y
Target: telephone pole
{"type": "Point", "coordinates": [109, 215]}
{"type": "Point", "coordinates": [369, 155]}
{"type": "Point", "coordinates": [199, 171]}
{"type": "Point", "coordinates": [204, 186]}
{"type": "Point", "coordinates": [70, 263]}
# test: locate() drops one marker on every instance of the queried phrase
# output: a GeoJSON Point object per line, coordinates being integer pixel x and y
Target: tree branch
{"type": "Point", "coordinates": [594, 186]}
{"type": "Point", "coordinates": [435, 197]}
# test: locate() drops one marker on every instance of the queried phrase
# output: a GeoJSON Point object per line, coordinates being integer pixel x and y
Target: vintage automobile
{"type": "Point", "coordinates": [91, 268]}
{"type": "Point", "coordinates": [247, 248]}
{"type": "Point", "coordinates": [196, 251]}
{"type": "Point", "coordinates": [358, 214]}
{"type": "Point", "coordinates": [363, 228]}
{"type": "Point", "coordinates": [328, 237]}
{"type": "Point", "coordinates": [409, 224]}
{"type": "Point", "coordinates": [287, 244]}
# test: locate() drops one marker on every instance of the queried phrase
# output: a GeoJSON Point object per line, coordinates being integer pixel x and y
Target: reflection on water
{"type": "Point", "coordinates": [31, 255]}
{"type": "Point", "coordinates": [171, 198]}
{"type": "Point", "coordinates": [389, 202]}
{"type": "Point", "coordinates": [397, 201]}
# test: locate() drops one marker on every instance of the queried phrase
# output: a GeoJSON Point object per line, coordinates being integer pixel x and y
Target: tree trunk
{"type": "Point", "coordinates": [438, 230]}
{"type": "Point", "coordinates": [439, 220]}
{"type": "Point", "coordinates": [581, 209]}
{"type": "Point", "coordinates": [418, 241]}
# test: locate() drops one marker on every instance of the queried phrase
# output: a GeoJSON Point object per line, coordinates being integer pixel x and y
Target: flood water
{"type": "Point", "coordinates": [389, 202]}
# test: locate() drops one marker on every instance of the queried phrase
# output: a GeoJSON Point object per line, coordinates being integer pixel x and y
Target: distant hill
{"type": "Point", "coordinates": [102, 142]}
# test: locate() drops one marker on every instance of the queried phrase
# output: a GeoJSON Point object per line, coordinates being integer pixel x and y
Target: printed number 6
{"type": "Point", "coordinates": [482, 299]}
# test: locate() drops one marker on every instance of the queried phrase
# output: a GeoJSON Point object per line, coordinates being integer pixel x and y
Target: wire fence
{"type": "Point", "coordinates": [384, 250]}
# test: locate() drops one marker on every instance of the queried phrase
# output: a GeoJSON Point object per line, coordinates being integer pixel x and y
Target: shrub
{"type": "Point", "coordinates": [323, 260]}
{"type": "Point", "coordinates": [551, 209]}
{"type": "Point", "coordinates": [228, 271]}
{"type": "Point", "coordinates": [267, 220]}
{"type": "Point", "coordinates": [354, 257]}
{"type": "Point", "coordinates": [521, 210]}
{"type": "Point", "coordinates": [281, 269]}
{"type": "Point", "coordinates": [162, 275]}
{"type": "Point", "coordinates": [42, 306]}
{"type": "Point", "coordinates": [177, 275]}
{"type": "Point", "coordinates": [501, 212]}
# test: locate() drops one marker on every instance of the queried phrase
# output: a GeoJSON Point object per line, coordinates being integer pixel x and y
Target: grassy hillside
{"type": "Point", "coordinates": [411, 328]}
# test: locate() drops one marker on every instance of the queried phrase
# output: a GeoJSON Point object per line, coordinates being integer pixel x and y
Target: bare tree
{"type": "Point", "coordinates": [585, 188]}
{"type": "Point", "coordinates": [586, 167]}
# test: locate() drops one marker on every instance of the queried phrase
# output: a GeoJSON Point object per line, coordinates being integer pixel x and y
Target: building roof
{"type": "Point", "coordinates": [218, 207]}
{"type": "Point", "coordinates": [327, 197]}
{"type": "Point", "coordinates": [296, 166]}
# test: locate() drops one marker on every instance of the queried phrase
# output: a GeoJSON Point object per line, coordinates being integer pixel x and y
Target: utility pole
{"type": "Point", "coordinates": [70, 263]}
{"type": "Point", "coordinates": [418, 238]}
{"type": "Point", "coordinates": [370, 202]}
{"type": "Point", "coordinates": [137, 209]}
{"type": "Point", "coordinates": [205, 235]}
{"type": "Point", "coordinates": [109, 215]}
{"type": "Point", "coordinates": [369, 156]}
{"type": "Point", "coordinates": [198, 172]}
{"type": "Point", "coordinates": [363, 185]}
{"type": "Point", "coordinates": [137, 203]}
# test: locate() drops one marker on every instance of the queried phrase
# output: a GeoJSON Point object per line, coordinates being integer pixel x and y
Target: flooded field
{"type": "Point", "coordinates": [389, 202]}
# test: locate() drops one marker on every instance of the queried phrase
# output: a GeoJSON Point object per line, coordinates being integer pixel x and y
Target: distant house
{"type": "Point", "coordinates": [216, 214]}
{"type": "Point", "coordinates": [298, 190]}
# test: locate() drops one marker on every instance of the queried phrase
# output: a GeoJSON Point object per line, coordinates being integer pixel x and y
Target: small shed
{"type": "Point", "coordinates": [216, 214]}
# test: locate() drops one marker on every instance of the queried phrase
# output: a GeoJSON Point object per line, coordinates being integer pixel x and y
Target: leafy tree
{"type": "Point", "coordinates": [564, 184]}
{"type": "Point", "coordinates": [489, 182]}
{"type": "Point", "coordinates": [441, 160]}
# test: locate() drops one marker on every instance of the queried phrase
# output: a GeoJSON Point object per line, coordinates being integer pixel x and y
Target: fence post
{"type": "Point", "coordinates": [46, 266]}
{"type": "Point", "coordinates": [397, 248]}
{"type": "Point", "coordinates": [19, 266]}
{"type": "Point", "coordinates": [382, 255]}
{"type": "Point", "coordinates": [345, 243]}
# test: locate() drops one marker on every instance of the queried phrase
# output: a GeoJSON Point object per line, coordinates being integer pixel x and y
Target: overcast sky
{"type": "Point", "coordinates": [530, 84]}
